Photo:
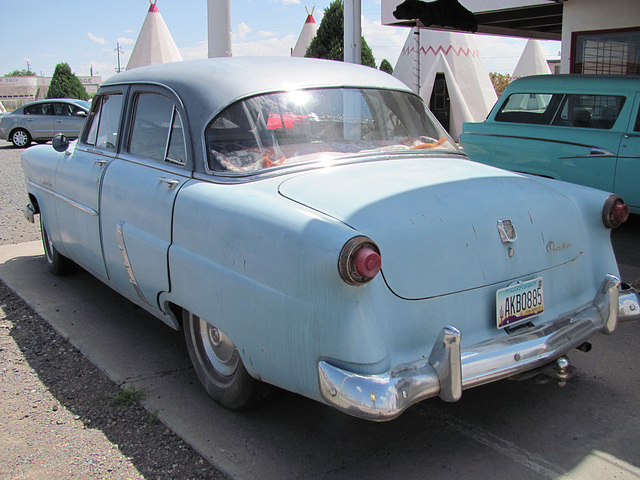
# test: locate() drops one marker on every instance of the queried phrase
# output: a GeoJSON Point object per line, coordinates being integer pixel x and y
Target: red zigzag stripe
{"type": "Point", "coordinates": [458, 52]}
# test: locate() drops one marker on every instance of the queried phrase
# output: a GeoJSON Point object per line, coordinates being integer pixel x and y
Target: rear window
{"type": "Point", "coordinates": [565, 110]}
{"type": "Point", "coordinates": [301, 126]}
{"type": "Point", "coordinates": [589, 111]}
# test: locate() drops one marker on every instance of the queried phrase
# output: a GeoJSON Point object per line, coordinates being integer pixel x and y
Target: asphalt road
{"type": "Point", "coordinates": [587, 429]}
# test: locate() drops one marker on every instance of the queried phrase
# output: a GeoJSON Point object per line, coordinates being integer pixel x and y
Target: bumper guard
{"type": "Point", "coordinates": [449, 369]}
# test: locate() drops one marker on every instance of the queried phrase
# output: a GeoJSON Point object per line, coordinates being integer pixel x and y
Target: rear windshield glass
{"type": "Point", "coordinates": [286, 128]}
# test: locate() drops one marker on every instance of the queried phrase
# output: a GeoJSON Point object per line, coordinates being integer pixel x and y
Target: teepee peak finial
{"type": "Point", "coordinates": [312, 9]}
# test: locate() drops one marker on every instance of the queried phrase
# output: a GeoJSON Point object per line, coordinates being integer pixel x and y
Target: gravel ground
{"type": "Point", "coordinates": [61, 417]}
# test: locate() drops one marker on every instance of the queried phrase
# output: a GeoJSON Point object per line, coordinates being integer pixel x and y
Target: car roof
{"type": "Point", "coordinates": [567, 83]}
{"type": "Point", "coordinates": [215, 83]}
{"type": "Point", "coordinates": [76, 101]}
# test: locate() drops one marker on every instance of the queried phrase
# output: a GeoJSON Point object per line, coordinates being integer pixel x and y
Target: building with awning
{"type": "Point", "coordinates": [597, 36]}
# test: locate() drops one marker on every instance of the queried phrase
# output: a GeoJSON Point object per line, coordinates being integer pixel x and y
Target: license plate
{"type": "Point", "coordinates": [516, 303]}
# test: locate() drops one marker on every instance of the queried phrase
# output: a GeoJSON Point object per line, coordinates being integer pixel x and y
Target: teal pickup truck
{"type": "Point", "coordinates": [583, 129]}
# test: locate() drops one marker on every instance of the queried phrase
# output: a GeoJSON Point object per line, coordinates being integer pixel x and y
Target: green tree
{"type": "Point", "coordinates": [329, 40]}
{"type": "Point", "coordinates": [385, 66]}
{"type": "Point", "coordinates": [21, 73]}
{"type": "Point", "coordinates": [500, 82]}
{"type": "Point", "coordinates": [65, 84]}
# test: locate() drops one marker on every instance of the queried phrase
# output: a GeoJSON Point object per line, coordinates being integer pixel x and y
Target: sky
{"type": "Point", "coordinates": [39, 34]}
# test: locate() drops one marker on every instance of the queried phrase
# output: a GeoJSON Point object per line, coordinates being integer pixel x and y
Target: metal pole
{"type": "Point", "coordinates": [416, 60]}
{"type": "Point", "coordinates": [219, 28]}
{"type": "Point", "coordinates": [352, 31]}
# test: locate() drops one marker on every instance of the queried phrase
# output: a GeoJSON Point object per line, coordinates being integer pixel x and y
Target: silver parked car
{"type": "Point", "coordinates": [39, 121]}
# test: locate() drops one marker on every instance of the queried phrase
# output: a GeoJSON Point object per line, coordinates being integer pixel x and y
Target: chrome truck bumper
{"type": "Point", "coordinates": [449, 369]}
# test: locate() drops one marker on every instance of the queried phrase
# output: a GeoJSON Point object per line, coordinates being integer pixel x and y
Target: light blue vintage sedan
{"type": "Point", "coordinates": [310, 225]}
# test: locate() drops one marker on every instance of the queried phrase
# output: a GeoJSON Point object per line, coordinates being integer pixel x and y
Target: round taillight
{"type": "Point", "coordinates": [359, 261]}
{"type": "Point", "coordinates": [368, 262]}
{"type": "Point", "coordinates": [614, 212]}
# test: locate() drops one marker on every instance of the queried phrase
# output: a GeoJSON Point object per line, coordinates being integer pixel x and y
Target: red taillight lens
{"type": "Point", "coordinates": [359, 261]}
{"type": "Point", "coordinates": [614, 212]}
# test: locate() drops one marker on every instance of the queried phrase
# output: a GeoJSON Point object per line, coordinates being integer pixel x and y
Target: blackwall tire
{"type": "Point", "coordinates": [219, 366]}
{"type": "Point", "coordinates": [58, 264]}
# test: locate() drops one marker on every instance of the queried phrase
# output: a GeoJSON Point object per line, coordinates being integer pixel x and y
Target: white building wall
{"type": "Point", "coordinates": [588, 15]}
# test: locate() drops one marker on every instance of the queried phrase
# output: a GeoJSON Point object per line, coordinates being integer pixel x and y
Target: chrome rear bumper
{"type": "Point", "coordinates": [449, 369]}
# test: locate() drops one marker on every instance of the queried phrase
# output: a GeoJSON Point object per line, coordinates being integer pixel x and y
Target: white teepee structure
{"type": "Point", "coordinates": [532, 61]}
{"type": "Point", "coordinates": [455, 55]}
{"type": "Point", "coordinates": [154, 44]}
{"type": "Point", "coordinates": [306, 35]}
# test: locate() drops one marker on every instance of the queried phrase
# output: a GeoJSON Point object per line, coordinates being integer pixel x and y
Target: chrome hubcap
{"type": "Point", "coordinates": [219, 349]}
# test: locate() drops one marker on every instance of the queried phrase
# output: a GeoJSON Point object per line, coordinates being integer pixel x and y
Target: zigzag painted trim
{"type": "Point", "coordinates": [460, 51]}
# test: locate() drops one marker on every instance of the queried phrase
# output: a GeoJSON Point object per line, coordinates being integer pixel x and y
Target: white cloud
{"type": "Point", "coordinates": [241, 32]}
{"type": "Point", "coordinates": [290, 2]}
{"type": "Point", "coordinates": [125, 40]}
{"type": "Point", "coordinates": [96, 39]}
{"type": "Point", "coordinates": [385, 42]}
{"type": "Point", "coordinates": [266, 47]}
{"type": "Point", "coordinates": [201, 50]}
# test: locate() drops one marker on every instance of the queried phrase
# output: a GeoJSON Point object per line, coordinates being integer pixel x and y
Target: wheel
{"type": "Point", "coordinates": [20, 138]}
{"type": "Point", "coordinates": [58, 264]}
{"type": "Point", "coordinates": [219, 366]}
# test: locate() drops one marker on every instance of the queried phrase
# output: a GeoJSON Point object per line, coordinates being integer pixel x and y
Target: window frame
{"type": "Point", "coordinates": [175, 113]}
{"type": "Point", "coordinates": [96, 109]}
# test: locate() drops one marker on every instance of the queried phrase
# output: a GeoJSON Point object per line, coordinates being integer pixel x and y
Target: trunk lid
{"type": "Point", "coordinates": [435, 221]}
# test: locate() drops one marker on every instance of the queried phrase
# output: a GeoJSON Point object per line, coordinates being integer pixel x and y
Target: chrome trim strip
{"type": "Point", "coordinates": [385, 396]}
{"type": "Point", "coordinates": [85, 209]}
{"type": "Point", "coordinates": [519, 137]}
{"type": "Point", "coordinates": [126, 262]}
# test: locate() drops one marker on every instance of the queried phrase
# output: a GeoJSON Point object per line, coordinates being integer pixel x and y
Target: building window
{"type": "Point", "coordinates": [611, 52]}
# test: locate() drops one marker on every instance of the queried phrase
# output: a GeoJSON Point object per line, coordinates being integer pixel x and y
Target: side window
{"type": "Point", "coordinates": [535, 108]}
{"type": "Point", "coordinates": [33, 109]}
{"type": "Point", "coordinates": [637, 126]}
{"type": "Point", "coordinates": [62, 109]}
{"type": "Point", "coordinates": [103, 122]}
{"type": "Point", "coordinates": [47, 109]}
{"type": "Point", "coordinates": [589, 111]}
{"type": "Point", "coordinates": [157, 131]}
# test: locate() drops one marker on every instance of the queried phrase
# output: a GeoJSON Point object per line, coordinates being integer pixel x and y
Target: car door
{"type": "Point", "coordinates": [138, 194]}
{"type": "Point", "coordinates": [69, 119]}
{"type": "Point", "coordinates": [78, 179]}
{"type": "Point", "coordinates": [628, 172]}
{"type": "Point", "coordinates": [39, 120]}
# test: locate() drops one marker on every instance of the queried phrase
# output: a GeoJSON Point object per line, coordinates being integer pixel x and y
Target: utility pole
{"type": "Point", "coordinates": [119, 51]}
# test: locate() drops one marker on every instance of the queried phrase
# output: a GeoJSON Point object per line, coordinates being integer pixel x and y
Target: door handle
{"type": "Point", "coordinates": [101, 163]}
{"type": "Point", "coordinates": [171, 183]}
